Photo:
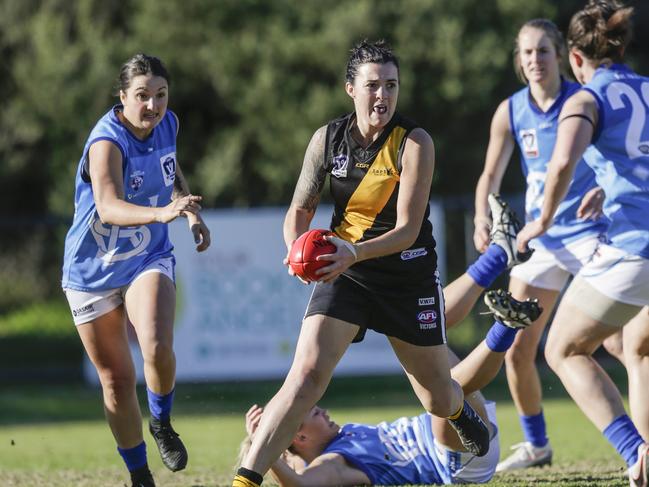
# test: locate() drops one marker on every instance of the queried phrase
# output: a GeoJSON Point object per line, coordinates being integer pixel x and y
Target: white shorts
{"type": "Point", "coordinates": [550, 269]}
{"type": "Point", "coordinates": [88, 306]}
{"type": "Point", "coordinates": [620, 276]}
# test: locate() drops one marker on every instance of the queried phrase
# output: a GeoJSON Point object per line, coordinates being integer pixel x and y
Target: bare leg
{"type": "Point", "coordinates": [614, 346]}
{"type": "Point", "coordinates": [473, 372]}
{"type": "Point", "coordinates": [568, 352]}
{"type": "Point", "coordinates": [460, 297]}
{"type": "Point", "coordinates": [522, 374]}
{"type": "Point", "coordinates": [478, 368]}
{"type": "Point", "coordinates": [106, 343]}
{"type": "Point", "coordinates": [321, 345]}
{"type": "Point", "coordinates": [636, 352]}
{"type": "Point", "coordinates": [151, 303]}
{"type": "Point", "coordinates": [427, 369]}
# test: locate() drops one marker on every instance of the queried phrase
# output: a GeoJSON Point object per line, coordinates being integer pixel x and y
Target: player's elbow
{"type": "Point", "coordinates": [408, 236]}
{"type": "Point", "coordinates": [105, 215]}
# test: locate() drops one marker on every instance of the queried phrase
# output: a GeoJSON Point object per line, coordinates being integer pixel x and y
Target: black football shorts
{"type": "Point", "coordinates": [416, 316]}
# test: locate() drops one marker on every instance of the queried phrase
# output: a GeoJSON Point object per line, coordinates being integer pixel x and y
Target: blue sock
{"type": "Point", "coordinates": [624, 437]}
{"type": "Point", "coordinates": [160, 406]}
{"type": "Point", "coordinates": [135, 457]}
{"type": "Point", "coordinates": [534, 429]}
{"type": "Point", "coordinates": [500, 337]}
{"type": "Point", "coordinates": [489, 266]}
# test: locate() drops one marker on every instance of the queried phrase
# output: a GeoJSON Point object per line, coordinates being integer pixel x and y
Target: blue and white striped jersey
{"type": "Point", "coordinates": [619, 154]}
{"type": "Point", "coordinates": [100, 257]}
{"type": "Point", "coordinates": [405, 452]}
{"type": "Point", "coordinates": [535, 132]}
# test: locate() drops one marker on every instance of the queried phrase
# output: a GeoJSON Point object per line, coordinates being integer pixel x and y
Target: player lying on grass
{"type": "Point", "coordinates": [424, 449]}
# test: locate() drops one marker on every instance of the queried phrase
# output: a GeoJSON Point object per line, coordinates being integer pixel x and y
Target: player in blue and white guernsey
{"type": "Point", "coordinates": [118, 263]}
{"type": "Point", "coordinates": [607, 120]}
{"type": "Point", "coordinates": [419, 450]}
{"type": "Point", "coordinates": [528, 119]}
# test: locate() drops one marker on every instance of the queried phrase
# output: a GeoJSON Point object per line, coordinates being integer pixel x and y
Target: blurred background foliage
{"type": "Point", "coordinates": [251, 81]}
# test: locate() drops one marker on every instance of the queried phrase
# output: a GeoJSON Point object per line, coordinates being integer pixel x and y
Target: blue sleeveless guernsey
{"type": "Point", "coordinates": [620, 154]}
{"type": "Point", "coordinates": [535, 132]}
{"type": "Point", "coordinates": [100, 257]}
{"type": "Point", "coordinates": [405, 452]}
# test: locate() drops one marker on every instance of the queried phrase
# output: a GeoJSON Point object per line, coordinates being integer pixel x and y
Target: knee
{"type": "Point", "coordinates": [158, 354]}
{"type": "Point", "coordinates": [555, 353]}
{"type": "Point", "coordinates": [117, 384]}
{"type": "Point", "coordinates": [441, 405]}
{"type": "Point", "coordinates": [443, 401]}
{"type": "Point", "coordinates": [520, 355]}
{"type": "Point", "coordinates": [614, 346]}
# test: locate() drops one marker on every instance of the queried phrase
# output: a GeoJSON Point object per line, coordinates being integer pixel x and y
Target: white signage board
{"type": "Point", "coordinates": [238, 312]}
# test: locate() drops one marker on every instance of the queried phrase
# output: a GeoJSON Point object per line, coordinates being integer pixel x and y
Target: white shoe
{"type": "Point", "coordinates": [526, 455]}
{"type": "Point", "coordinates": [639, 472]}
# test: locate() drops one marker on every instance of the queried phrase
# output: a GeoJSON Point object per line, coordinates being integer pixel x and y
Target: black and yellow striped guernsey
{"type": "Point", "coordinates": [364, 184]}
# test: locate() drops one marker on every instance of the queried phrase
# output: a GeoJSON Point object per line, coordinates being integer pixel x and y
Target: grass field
{"type": "Point", "coordinates": [55, 435]}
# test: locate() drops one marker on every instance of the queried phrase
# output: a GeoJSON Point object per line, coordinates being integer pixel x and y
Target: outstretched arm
{"type": "Point", "coordinates": [499, 151]}
{"type": "Point", "coordinates": [327, 469]}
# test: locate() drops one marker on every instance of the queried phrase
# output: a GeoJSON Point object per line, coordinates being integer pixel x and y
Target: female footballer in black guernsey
{"type": "Point", "coordinates": [383, 274]}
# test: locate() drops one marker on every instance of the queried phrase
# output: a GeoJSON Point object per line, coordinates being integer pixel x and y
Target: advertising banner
{"type": "Point", "coordinates": [238, 312]}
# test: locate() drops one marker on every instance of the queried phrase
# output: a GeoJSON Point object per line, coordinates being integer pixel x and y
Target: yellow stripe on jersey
{"type": "Point", "coordinates": [374, 190]}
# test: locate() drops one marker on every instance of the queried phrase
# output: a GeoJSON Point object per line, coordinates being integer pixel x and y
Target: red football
{"type": "Point", "coordinates": [308, 246]}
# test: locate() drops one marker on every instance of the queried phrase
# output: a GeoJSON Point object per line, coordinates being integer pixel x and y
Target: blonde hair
{"type": "Point", "coordinates": [552, 31]}
{"type": "Point", "coordinates": [602, 29]}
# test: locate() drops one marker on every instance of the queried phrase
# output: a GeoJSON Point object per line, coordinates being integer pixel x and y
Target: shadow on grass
{"type": "Point", "coordinates": [53, 402]}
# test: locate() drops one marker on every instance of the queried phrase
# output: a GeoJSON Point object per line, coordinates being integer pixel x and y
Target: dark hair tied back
{"type": "Point", "coordinates": [602, 29]}
{"type": "Point", "coordinates": [140, 64]}
{"type": "Point", "coordinates": [365, 52]}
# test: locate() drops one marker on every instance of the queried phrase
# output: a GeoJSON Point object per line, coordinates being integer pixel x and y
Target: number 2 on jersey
{"type": "Point", "coordinates": [635, 147]}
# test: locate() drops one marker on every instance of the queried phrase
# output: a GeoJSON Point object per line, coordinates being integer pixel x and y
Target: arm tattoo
{"type": "Point", "coordinates": [312, 177]}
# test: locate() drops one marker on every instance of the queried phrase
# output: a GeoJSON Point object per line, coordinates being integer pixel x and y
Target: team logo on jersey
{"type": "Point", "coordinates": [530, 143]}
{"type": "Point", "coordinates": [427, 319]}
{"type": "Point", "coordinates": [115, 243]}
{"type": "Point", "coordinates": [413, 253]}
{"type": "Point", "coordinates": [340, 163]}
{"type": "Point", "coordinates": [168, 166]}
{"type": "Point", "coordinates": [426, 301]}
{"type": "Point", "coordinates": [136, 180]}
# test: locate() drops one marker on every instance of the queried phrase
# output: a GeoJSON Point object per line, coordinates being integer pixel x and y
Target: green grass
{"type": "Point", "coordinates": [55, 435]}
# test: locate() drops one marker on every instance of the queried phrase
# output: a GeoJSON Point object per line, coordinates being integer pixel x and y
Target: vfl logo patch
{"type": "Point", "coordinates": [340, 163]}
{"type": "Point", "coordinates": [83, 310]}
{"type": "Point", "coordinates": [427, 319]}
{"type": "Point", "coordinates": [426, 301]}
{"type": "Point", "coordinates": [530, 143]}
{"type": "Point", "coordinates": [168, 166]}
{"type": "Point", "coordinates": [413, 253]}
{"type": "Point", "coordinates": [136, 180]}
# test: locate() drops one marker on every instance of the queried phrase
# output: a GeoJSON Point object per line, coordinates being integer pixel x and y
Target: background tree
{"type": "Point", "coordinates": [251, 81]}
